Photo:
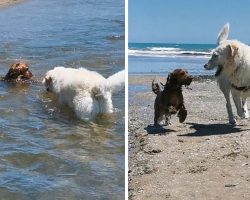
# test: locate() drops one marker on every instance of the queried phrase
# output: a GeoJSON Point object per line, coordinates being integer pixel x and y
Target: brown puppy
{"type": "Point", "coordinates": [170, 100]}
{"type": "Point", "coordinates": [18, 72]}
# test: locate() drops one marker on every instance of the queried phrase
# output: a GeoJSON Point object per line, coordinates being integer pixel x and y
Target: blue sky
{"type": "Point", "coordinates": [187, 21]}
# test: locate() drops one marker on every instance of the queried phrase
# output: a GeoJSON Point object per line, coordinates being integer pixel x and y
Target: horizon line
{"type": "Point", "coordinates": [169, 43]}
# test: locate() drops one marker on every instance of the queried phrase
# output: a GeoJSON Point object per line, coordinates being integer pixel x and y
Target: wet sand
{"type": "Point", "coordinates": [203, 158]}
{"type": "Point", "coordinates": [4, 3]}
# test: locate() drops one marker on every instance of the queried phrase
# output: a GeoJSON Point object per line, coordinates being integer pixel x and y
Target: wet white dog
{"type": "Point", "coordinates": [87, 92]}
{"type": "Point", "coordinates": [232, 59]}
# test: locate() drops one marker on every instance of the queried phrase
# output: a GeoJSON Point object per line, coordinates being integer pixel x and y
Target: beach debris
{"type": "Point", "coordinates": [230, 185]}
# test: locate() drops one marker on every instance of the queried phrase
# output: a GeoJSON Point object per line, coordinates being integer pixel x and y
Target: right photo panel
{"type": "Point", "coordinates": [189, 83]}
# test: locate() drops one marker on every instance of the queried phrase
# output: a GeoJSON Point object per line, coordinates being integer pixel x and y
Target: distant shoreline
{"type": "Point", "coordinates": [5, 3]}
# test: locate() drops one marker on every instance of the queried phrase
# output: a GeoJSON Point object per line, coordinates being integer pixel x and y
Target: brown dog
{"type": "Point", "coordinates": [18, 72]}
{"type": "Point", "coordinates": [170, 100]}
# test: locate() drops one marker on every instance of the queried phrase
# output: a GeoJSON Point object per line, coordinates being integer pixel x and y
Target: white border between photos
{"type": "Point", "coordinates": [126, 99]}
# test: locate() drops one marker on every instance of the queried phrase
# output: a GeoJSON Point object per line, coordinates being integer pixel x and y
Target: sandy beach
{"type": "Point", "coordinates": [4, 3]}
{"type": "Point", "coordinates": [203, 158]}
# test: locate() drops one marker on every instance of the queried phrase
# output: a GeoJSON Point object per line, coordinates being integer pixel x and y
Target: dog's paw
{"type": "Point", "coordinates": [243, 114]}
{"type": "Point", "coordinates": [232, 121]}
{"type": "Point", "coordinates": [156, 125]}
{"type": "Point", "coordinates": [182, 115]}
{"type": "Point", "coordinates": [167, 123]}
{"type": "Point", "coordinates": [246, 114]}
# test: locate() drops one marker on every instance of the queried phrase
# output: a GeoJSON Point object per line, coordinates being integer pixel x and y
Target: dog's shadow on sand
{"type": "Point", "coordinates": [152, 129]}
{"type": "Point", "coordinates": [212, 129]}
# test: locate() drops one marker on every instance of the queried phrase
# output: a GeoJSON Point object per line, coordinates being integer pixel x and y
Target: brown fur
{"type": "Point", "coordinates": [170, 100]}
{"type": "Point", "coordinates": [18, 72]}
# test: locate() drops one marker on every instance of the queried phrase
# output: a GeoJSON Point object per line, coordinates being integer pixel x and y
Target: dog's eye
{"type": "Point", "coordinates": [182, 73]}
{"type": "Point", "coordinates": [215, 55]}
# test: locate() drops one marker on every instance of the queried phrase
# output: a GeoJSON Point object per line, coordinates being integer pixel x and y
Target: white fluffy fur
{"type": "Point", "coordinates": [87, 92]}
{"type": "Point", "coordinates": [234, 59]}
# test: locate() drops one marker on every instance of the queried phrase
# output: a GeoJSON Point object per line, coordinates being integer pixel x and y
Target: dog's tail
{"type": "Point", "coordinates": [155, 87]}
{"type": "Point", "coordinates": [116, 81]}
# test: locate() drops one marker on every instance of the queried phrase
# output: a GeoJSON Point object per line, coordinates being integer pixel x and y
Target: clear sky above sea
{"type": "Point", "coordinates": [187, 21]}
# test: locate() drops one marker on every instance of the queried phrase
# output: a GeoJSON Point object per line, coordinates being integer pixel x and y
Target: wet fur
{"type": "Point", "coordinates": [18, 72]}
{"type": "Point", "coordinates": [87, 92]}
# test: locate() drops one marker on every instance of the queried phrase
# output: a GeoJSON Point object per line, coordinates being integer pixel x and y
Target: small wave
{"type": "Point", "coordinates": [167, 52]}
{"type": "Point", "coordinates": [115, 37]}
{"type": "Point", "coordinates": [164, 49]}
{"type": "Point", "coordinates": [121, 22]}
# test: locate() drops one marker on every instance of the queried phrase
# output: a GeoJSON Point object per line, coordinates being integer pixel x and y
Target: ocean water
{"type": "Point", "coordinates": [162, 58]}
{"type": "Point", "coordinates": [45, 152]}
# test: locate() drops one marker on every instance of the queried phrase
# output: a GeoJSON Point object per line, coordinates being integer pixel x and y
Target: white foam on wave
{"type": "Point", "coordinates": [164, 49]}
{"type": "Point", "coordinates": [167, 52]}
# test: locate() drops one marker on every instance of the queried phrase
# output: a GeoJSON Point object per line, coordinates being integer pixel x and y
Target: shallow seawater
{"type": "Point", "coordinates": [141, 65]}
{"type": "Point", "coordinates": [45, 151]}
{"type": "Point", "coordinates": [138, 88]}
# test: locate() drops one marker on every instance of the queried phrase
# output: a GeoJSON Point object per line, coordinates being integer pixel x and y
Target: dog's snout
{"type": "Point", "coordinates": [190, 79]}
{"type": "Point", "coordinates": [27, 75]}
{"type": "Point", "coordinates": [206, 66]}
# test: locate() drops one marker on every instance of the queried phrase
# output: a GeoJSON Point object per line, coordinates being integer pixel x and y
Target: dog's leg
{"type": "Point", "coordinates": [167, 118]}
{"type": "Point", "coordinates": [226, 88]}
{"type": "Point", "coordinates": [231, 118]}
{"type": "Point", "coordinates": [238, 104]}
{"type": "Point", "coordinates": [241, 105]}
{"type": "Point", "coordinates": [84, 106]}
{"type": "Point", "coordinates": [105, 102]}
{"type": "Point", "coordinates": [244, 107]}
{"type": "Point", "coordinates": [157, 116]}
{"type": "Point", "coordinates": [182, 114]}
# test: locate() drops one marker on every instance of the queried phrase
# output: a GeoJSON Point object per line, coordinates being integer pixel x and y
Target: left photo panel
{"type": "Point", "coordinates": [62, 99]}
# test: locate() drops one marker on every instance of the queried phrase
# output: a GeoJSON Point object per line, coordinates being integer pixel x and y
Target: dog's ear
{"type": "Point", "coordinates": [169, 77]}
{"type": "Point", "coordinates": [47, 80]}
{"type": "Point", "coordinates": [223, 34]}
{"type": "Point", "coordinates": [172, 78]}
{"type": "Point", "coordinates": [13, 66]}
{"type": "Point", "coordinates": [233, 49]}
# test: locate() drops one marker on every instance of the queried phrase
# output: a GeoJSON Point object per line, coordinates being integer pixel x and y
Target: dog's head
{"type": "Point", "coordinates": [179, 77]}
{"type": "Point", "coordinates": [47, 81]}
{"type": "Point", "coordinates": [224, 54]}
{"type": "Point", "coordinates": [18, 71]}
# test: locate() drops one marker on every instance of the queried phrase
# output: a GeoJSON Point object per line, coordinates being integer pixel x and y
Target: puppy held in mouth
{"type": "Point", "coordinates": [18, 72]}
{"type": "Point", "coordinates": [169, 100]}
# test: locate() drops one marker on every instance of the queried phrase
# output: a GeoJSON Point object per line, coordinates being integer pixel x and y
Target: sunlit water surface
{"type": "Point", "coordinates": [45, 152]}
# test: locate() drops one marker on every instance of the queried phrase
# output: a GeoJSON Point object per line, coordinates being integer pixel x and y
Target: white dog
{"type": "Point", "coordinates": [232, 59]}
{"type": "Point", "coordinates": [87, 92]}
